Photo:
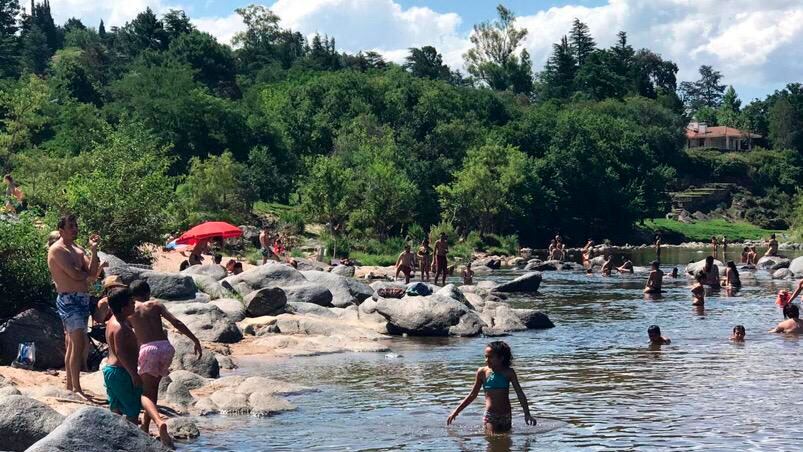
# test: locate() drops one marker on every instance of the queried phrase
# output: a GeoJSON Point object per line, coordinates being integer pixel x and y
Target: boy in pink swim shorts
{"type": "Point", "coordinates": [155, 351]}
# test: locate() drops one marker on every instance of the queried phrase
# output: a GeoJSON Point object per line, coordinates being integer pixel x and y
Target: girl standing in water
{"type": "Point", "coordinates": [495, 378]}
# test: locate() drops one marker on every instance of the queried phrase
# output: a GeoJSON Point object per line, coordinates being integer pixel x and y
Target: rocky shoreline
{"type": "Point", "coordinates": [270, 311]}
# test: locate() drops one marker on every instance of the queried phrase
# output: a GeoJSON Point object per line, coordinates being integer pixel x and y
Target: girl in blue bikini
{"type": "Point", "coordinates": [495, 378]}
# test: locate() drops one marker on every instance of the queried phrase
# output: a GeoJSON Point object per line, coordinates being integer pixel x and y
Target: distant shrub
{"type": "Point", "coordinates": [24, 276]}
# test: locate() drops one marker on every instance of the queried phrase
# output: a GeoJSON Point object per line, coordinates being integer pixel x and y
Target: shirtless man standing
{"type": "Point", "coordinates": [123, 384]}
{"type": "Point", "coordinates": [155, 351]}
{"type": "Point", "coordinates": [655, 280]}
{"type": "Point", "coordinates": [71, 270]}
{"type": "Point", "coordinates": [792, 325]}
{"type": "Point", "coordinates": [441, 266]}
{"type": "Point", "coordinates": [404, 264]}
{"type": "Point", "coordinates": [773, 244]}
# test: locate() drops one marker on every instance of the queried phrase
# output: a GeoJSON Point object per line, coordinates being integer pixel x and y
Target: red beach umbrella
{"type": "Point", "coordinates": [209, 230]}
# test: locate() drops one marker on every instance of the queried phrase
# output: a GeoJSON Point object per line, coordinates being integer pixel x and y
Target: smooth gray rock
{"type": "Point", "coordinates": [269, 275]}
{"type": "Point", "coordinates": [344, 270]}
{"type": "Point", "coordinates": [183, 428]}
{"type": "Point", "coordinates": [533, 319]}
{"type": "Point", "coordinates": [421, 316]}
{"type": "Point", "coordinates": [207, 322]}
{"type": "Point", "coordinates": [540, 266]}
{"type": "Point", "coordinates": [211, 287]}
{"type": "Point", "coordinates": [24, 421]}
{"type": "Point", "coordinates": [43, 327]}
{"type": "Point", "coordinates": [694, 267]}
{"type": "Point", "coordinates": [308, 293]}
{"type": "Point", "coordinates": [772, 262]}
{"type": "Point", "coordinates": [492, 262]}
{"type": "Point", "coordinates": [215, 271]}
{"type": "Point", "coordinates": [93, 429]}
{"type": "Point", "coordinates": [9, 390]}
{"type": "Point", "coordinates": [233, 308]}
{"type": "Point", "coordinates": [169, 286]}
{"type": "Point", "coordinates": [185, 358]}
{"type": "Point", "coordinates": [178, 390]}
{"type": "Point", "coordinates": [529, 282]}
{"type": "Point", "coordinates": [796, 266]}
{"type": "Point", "coordinates": [783, 273]}
{"type": "Point", "coordinates": [267, 301]}
{"type": "Point", "coordinates": [470, 325]}
{"type": "Point", "coordinates": [502, 318]}
{"type": "Point", "coordinates": [118, 267]}
{"type": "Point", "coordinates": [345, 291]}
{"type": "Point", "coordinates": [309, 309]}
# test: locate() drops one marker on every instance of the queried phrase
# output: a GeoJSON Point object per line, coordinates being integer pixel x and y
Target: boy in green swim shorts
{"type": "Point", "coordinates": [123, 384]}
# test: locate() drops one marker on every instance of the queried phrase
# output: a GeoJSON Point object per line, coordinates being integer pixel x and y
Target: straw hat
{"type": "Point", "coordinates": [110, 282]}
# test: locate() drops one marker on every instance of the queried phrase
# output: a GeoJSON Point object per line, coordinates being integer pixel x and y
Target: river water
{"type": "Point", "coordinates": [593, 381]}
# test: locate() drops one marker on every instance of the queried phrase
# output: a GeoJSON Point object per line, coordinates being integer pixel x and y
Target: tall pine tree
{"type": "Point", "coordinates": [9, 42]}
{"type": "Point", "coordinates": [581, 41]}
{"type": "Point", "coordinates": [561, 67]}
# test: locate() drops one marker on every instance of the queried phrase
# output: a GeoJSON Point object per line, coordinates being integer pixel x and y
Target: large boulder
{"type": "Point", "coordinates": [432, 315]}
{"type": "Point", "coordinates": [233, 308]}
{"type": "Point", "coordinates": [169, 286]}
{"type": "Point", "coordinates": [308, 293]}
{"type": "Point", "coordinates": [529, 282]}
{"type": "Point", "coordinates": [43, 327]}
{"type": "Point", "coordinates": [533, 319]}
{"type": "Point", "coordinates": [93, 429]}
{"type": "Point", "coordinates": [772, 262]}
{"type": "Point", "coordinates": [186, 359]}
{"type": "Point", "coordinates": [271, 274]}
{"type": "Point", "coordinates": [492, 262]}
{"type": "Point", "coordinates": [217, 272]}
{"type": "Point", "coordinates": [267, 301]}
{"type": "Point", "coordinates": [598, 261]}
{"type": "Point", "coordinates": [502, 318]}
{"type": "Point", "coordinates": [178, 390]}
{"type": "Point", "coordinates": [694, 267]}
{"type": "Point", "coordinates": [345, 291]}
{"type": "Point", "coordinates": [783, 273]}
{"type": "Point", "coordinates": [451, 291]}
{"type": "Point", "coordinates": [796, 266]}
{"type": "Point", "coordinates": [344, 270]}
{"type": "Point", "coordinates": [118, 267]}
{"type": "Point", "coordinates": [208, 285]}
{"type": "Point", "coordinates": [207, 322]}
{"type": "Point", "coordinates": [469, 325]}
{"type": "Point", "coordinates": [24, 421]}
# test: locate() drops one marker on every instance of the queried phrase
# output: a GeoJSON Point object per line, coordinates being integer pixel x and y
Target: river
{"type": "Point", "coordinates": [593, 382]}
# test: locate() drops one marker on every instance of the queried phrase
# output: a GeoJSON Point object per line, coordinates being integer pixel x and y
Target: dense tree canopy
{"type": "Point", "coordinates": [587, 146]}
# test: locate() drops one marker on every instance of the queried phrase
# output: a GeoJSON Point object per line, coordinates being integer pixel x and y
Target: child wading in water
{"type": "Point", "coordinates": [495, 378]}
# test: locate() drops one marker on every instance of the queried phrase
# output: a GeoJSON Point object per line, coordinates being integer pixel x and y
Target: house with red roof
{"type": "Point", "coordinates": [699, 135]}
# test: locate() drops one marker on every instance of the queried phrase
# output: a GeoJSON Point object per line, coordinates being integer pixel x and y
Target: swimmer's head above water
{"type": "Point", "coordinates": [654, 333]}
{"type": "Point", "coordinates": [791, 311]}
{"type": "Point", "coordinates": [738, 333]}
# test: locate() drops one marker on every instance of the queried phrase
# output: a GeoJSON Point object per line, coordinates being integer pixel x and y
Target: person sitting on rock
{"type": "Point", "coordinates": [654, 333]}
{"type": "Point", "coordinates": [238, 268]}
{"type": "Point", "coordinates": [752, 256]}
{"type": "Point", "coordinates": [278, 249]}
{"type": "Point", "coordinates": [155, 351]}
{"type": "Point", "coordinates": [655, 279]}
{"type": "Point", "coordinates": [404, 264]}
{"type": "Point", "coordinates": [552, 250]}
{"type": "Point", "coordinates": [627, 267]}
{"type": "Point", "coordinates": [468, 275]}
{"type": "Point", "coordinates": [124, 386]}
{"type": "Point", "coordinates": [792, 325]}
{"type": "Point", "coordinates": [773, 247]}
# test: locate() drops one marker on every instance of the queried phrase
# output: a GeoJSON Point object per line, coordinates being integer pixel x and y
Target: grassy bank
{"type": "Point", "coordinates": [701, 231]}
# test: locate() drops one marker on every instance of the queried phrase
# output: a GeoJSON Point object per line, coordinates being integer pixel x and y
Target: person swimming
{"type": "Point", "coordinates": [654, 333]}
{"type": "Point", "coordinates": [495, 379]}
{"type": "Point", "coordinates": [738, 333]}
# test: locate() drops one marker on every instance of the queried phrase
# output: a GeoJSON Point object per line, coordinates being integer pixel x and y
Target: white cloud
{"type": "Point", "coordinates": [113, 12]}
{"type": "Point", "coordinates": [223, 28]}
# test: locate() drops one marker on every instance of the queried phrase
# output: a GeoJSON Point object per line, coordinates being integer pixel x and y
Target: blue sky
{"type": "Point", "coordinates": [757, 45]}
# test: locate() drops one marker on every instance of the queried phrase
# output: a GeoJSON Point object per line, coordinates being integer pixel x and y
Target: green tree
{"type": "Point", "coordinates": [323, 193]}
{"type": "Point", "coordinates": [176, 23]}
{"type": "Point", "coordinates": [23, 115]}
{"type": "Point", "coordinates": [214, 189]}
{"type": "Point", "coordinates": [489, 191]}
{"type": "Point", "coordinates": [122, 191]}
{"type": "Point", "coordinates": [560, 71]}
{"type": "Point", "coordinates": [705, 92]}
{"type": "Point", "coordinates": [214, 63]}
{"type": "Point", "coordinates": [582, 43]}
{"type": "Point", "coordinates": [426, 62]}
{"type": "Point", "coordinates": [24, 277]}
{"type": "Point", "coordinates": [9, 41]}
{"type": "Point", "coordinates": [729, 114]}
{"type": "Point", "coordinates": [495, 58]}
{"type": "Point", "coordinates": [784, 125]}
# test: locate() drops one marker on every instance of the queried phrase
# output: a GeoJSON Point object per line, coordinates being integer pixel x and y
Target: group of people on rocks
{"type": "Point", "coordinates": [427, 260]}
{"type": "Point", "coordinates": [139, 351]}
